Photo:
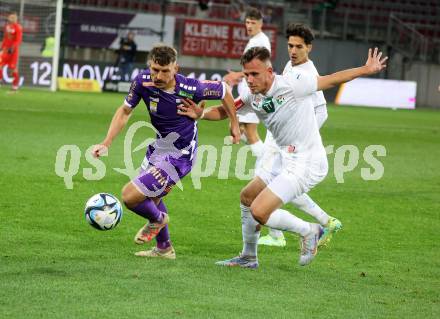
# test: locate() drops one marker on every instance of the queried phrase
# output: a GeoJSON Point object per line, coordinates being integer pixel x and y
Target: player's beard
{"type": "Point", "coordinates": [159, 84]}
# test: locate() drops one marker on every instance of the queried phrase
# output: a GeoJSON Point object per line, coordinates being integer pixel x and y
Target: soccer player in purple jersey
{"type": "Point", "coordinates": [172, 155]}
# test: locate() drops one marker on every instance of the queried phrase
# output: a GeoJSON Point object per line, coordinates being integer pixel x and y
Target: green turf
{"type": "Point", "coordinates": [384, 264]}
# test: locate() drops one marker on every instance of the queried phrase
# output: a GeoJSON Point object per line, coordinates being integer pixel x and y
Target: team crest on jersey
{"type": "Point", "coordinates": [280, 99]}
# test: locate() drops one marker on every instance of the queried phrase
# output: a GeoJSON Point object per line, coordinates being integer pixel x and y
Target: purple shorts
{"type": "Point", "coordinates": [157, 180]}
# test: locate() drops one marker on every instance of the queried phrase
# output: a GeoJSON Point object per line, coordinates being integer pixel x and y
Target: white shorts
{"type": "Point", "coordinates": [289, 176]}
{"type": "Point", "coordinates": [270, 163]}
{"type": "Point", "coordinates": [321, 114]}
{"type": "Point", "coordinates": [246, 114]}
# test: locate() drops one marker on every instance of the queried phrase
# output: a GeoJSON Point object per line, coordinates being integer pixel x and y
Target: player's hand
{"type": "Point", "coordinates": [375, 63]}
{"type": "Point", "coordinates": [10, 50]}
{"type": "Point", "coordinates": [233, 78]}
{"type": "Point", "coordinates": [191, 109]}
{"type": "Point", "coordinates": [99, 150]}
{"type": "Point", "coordinates": [235, 133]}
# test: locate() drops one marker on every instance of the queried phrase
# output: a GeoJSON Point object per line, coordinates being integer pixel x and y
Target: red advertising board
{"type": "Point", "coordinates": [218, 39]}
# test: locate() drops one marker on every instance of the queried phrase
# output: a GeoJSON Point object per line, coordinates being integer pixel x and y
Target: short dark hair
{"type": "Point", "coordinates": [163, 55]}
{"type": "Point", "coordinates": [260, 53]}
{"type": "Point", "coordinates": [253, 14]}
{"type": "Point", "coordinates": [300, 30]}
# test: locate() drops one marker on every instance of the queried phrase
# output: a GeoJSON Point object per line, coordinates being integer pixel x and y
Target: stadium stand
{"type": "Point", "coordinates": [410, 21]}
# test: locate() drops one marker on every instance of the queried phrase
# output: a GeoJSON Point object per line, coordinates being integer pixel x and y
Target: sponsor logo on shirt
{"type": "Point", "coordinates": [268, 105]}
{"type": "Point", "coordinates": [147, 84]}
{"type": "Point", "coordinates": [153, 104]}
{"type": "Point", "coordinates": [208, 92]}
{"type": "Point", "coordinates": [130, 94]}
{"type": "Point", "coordinates": [210, 82]}
{"type": "Point", "coordinates": [10, 30]}
{"type": "Point", "coordinates": [185, 94]}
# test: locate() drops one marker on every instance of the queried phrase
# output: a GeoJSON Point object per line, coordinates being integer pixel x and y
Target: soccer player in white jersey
{"type": "Point", "coordinates": [247, 118]}
{"type": "Point", "coordinates": [283, 103]}
{"type": "Point", "coordinates": [299, 45]}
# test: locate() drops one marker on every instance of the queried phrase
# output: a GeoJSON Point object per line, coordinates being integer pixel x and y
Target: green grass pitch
{"type": "Point", "coordinates": [384, 264]}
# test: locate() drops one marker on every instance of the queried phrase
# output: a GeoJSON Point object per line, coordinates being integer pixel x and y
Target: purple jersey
{"type": "Point", "coordinates": [162, 106]}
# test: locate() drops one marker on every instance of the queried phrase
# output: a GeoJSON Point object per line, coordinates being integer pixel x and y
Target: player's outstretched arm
{"type": "Point", "coordinates": [120, 119]}
{"type": "Point", "coordinates": [375, 63]}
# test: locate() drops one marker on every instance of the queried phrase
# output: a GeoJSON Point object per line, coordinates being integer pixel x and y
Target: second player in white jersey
{"type": "Point", "coordinates": [318, 99]}
{"type": "Point", "coordinates": [258, 40]}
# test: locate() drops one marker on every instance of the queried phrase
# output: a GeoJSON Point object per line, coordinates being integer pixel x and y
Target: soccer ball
{"type": "Point", "coordinates": [103, 211]}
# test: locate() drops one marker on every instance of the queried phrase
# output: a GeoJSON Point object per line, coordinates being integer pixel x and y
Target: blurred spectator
{"type": "Point", "coordinates": [126, 55]}
{"type": "Point", "coordinates": [203, 9]}
{"type": "Point", "coordinates": [267, 16]}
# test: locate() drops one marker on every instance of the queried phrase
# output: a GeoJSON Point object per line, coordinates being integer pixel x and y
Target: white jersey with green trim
{"type": "Point", "coordinates": [258, 40]}
{"type": "Point", "coordinates": [287, 112]}
{"type": "Point", "coordinates": [307, 67]}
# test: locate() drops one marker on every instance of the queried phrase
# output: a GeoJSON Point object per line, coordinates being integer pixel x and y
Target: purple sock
{"type": "Point", "coordinates": [148, 210]}
{"type": "Point", "coordinates": [163, 238]}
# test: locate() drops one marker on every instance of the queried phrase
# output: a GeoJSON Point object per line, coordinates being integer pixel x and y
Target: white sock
{"type": "Point", "coordinates": [249, 232]}
{"type": "Point", "coordinates": [307, 205]}
{"type": "Point", "coordinates": [275, 233]}
{"type": "Point", "coordinates": [257, 149]}
{"type": "Point", "coordinates": [283, 220]}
